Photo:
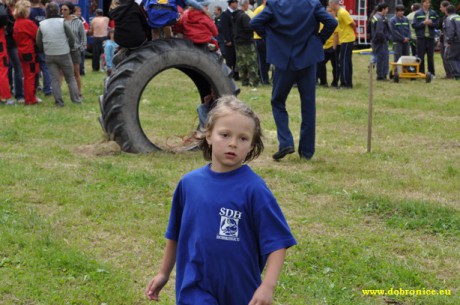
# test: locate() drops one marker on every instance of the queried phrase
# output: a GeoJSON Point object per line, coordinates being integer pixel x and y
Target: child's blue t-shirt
{"type": "Point", "coordinates": [225, 225]}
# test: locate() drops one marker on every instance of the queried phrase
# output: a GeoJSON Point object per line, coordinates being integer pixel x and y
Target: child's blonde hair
{"type": "Point", "coordinates": [227, 105]}
{"type": "Point", "coordinates": [22, 9]}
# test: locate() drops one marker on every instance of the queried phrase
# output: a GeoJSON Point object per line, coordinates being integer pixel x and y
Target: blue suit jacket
{"type": "Point", "coordinates": [290, 29]}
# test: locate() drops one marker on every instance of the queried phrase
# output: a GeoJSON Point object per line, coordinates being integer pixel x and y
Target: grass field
{"type": "Point", "coordinates": [82, 223]}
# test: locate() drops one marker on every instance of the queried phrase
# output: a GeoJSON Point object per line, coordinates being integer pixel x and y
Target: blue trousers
{"type": "Point", "coordinates": [400, 49]}
{"type": "Point", "coordinates": [283, 80]}
{"type": "Point", "coordinates": [452, 55]}
{"type": "Point", "coordinates": [264, 67]}
{"type": "Point", "coordinates": [41, 58]}
{"type": "Point", "coordinates": [15, 74]}
{"type": "Point", "coordinates": [382, 56]}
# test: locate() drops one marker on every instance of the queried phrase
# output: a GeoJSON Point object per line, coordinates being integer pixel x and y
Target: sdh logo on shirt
{"type": "Point", "coordinates": [228, 228]}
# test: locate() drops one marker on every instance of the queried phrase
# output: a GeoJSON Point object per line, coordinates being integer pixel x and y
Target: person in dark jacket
{"type": "Point", "coordinates": [218, 23]}
{"type": "Point", "coordinates": [227, 31]}
{"type": "Point", "coordinates": [452, 41]}
{"type": "Point", "coordinates": [131, 28]}
{"type": "Point", "coordinates": [15, 74]}
{"type": "Point", "coordinates": [380, 37]}
{"type": "Point", "coordinates": [37, 14]}
{"type": "Point", "coordinates": [294, 47]}
{"type": "Point", "coordinates": [246, 56]}
{"type": "Point", "coordinates": [400, 33]}
{"type": "Point", "coordinates": [425, 23]}
{"type": "Point", "coordinates": [441, 42]}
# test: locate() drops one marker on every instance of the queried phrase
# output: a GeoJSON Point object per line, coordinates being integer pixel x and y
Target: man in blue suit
{"type": "Point", "coordinates": [294, 47]}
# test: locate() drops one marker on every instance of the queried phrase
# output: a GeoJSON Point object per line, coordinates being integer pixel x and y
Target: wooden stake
{"type": "Point", "coordinates": [369, 114]}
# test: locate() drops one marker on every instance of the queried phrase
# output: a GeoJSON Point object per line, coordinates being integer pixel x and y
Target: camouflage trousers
{"type": "Point", "coordinates": [246, 62]}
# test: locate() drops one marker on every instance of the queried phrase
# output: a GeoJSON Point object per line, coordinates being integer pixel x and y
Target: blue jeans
{"type": "Point", "coordinates": [109, 51]}
{"type": "Point", "coordinates": [15, 73]}
{"type": "Point", "coordinates": [283, 80]}
{"type": "Point", "coordinates": [203, 111]}
{"type": "Point", "coordinates": [45, 73]}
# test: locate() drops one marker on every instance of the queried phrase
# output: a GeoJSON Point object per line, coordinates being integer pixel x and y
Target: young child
{"type": "Point", "coordinates": [24, 33]}
{"type": "Point", "coordinates": [225, 223]}
{"type": "Point", "coordinates": [331, 51]}
{"type": "Point", "coordinates": [109, 50]}
{"type": "Point", "coordinates": [161, 15]}
{"type": "Point", "coordinates": [198, 26]}
{"type": "Point", "coordinates": [131, 28]}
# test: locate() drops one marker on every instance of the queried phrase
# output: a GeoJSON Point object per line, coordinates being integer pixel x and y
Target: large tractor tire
{"type": "Point", "coordinates": [124, 88]}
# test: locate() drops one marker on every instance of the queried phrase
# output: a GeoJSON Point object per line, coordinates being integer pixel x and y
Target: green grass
{"type": "Point", "coordinates": [83, 223]}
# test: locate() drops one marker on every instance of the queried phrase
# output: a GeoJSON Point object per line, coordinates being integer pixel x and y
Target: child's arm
{"type": "Point", "coordinates": [264, 294]}
{"type": "Point", "coordinates": [157, 283]}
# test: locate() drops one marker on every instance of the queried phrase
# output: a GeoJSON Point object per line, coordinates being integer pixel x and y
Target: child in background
{"type": "Point", "coordinates": [331, 50]}
{"type": "Point", "coordinates": [109, 50]}
{"type": "Point", "coordinates": [203, 109]}
{"type": "Point", "coordinates": [400, 33]}
{"type": "Point", "coordinates": [225, 224]}
{"type": "Point", "coordinates": [131, 28]}
{"type": "Point", "coordinates": [161, 15]}
{"type": "Point", "coordinates": [198, 27]}
{"type": "Point", "coordinates": [24, 34]}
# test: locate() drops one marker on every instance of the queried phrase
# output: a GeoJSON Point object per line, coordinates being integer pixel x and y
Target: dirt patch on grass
{"type": "Point", "coordinates": [99, 149]}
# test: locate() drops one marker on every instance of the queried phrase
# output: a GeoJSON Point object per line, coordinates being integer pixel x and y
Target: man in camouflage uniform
{"type": "Point", "coordinates": [245, 48]}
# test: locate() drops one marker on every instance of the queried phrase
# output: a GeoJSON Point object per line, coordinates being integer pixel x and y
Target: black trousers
{"type": "Point", "coordinates": [230, 59]}
{"type": "Point", "coordinates": [426, 46]}
{"type": "Point", "coordinates": [333, 56]}
{"type": "Point", "coordinates": [97, 51]}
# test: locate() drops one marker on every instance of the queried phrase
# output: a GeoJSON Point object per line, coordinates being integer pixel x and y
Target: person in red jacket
{"type": "Point", "coordinates": [24, 33]}
{"type": "Point", "coordinates": [198, 26]}
{"type": "Point", "coordinates": [5, 92]}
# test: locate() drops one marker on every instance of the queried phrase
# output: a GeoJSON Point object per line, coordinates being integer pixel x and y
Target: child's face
{"type": "Point", "coordinates": [231, 141]}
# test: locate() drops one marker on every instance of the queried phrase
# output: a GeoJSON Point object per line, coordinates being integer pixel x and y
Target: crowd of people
{"type": "Point", "coordinates": [416, 34]}
{"type": "Point", "coordinates": [27, 53]}
{"type": "Point", "coordinates": [41, 40]}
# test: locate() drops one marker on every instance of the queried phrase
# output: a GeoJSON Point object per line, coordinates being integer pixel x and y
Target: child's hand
{"type": "Point", "coordinates": [262, 296]}
{"type": "Point", "coordinates": [208, 99]}
{"type": "Point", "coordinates": [154, 287]}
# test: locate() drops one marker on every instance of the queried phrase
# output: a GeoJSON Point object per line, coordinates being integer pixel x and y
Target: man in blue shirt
{"type": "Point", "coordinates": [400, 32]}
{"type": "Point", "coordinates": [380, 36]}
{"type": "Point", "coordinates": [294, 47]}
{"type": "Point", "coordinates": [425, 22]}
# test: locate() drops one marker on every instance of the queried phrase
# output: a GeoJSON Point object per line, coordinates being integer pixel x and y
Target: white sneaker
{"type": "Point", "coordinates": [21, 101]}
{"type": "Point", "coordinates": [10, 102]}
{"type": "Point", "coordinates": [39, 100]}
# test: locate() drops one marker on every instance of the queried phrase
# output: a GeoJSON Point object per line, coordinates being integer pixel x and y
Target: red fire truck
{"type": "Point", "coordinates": [360, 11]}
